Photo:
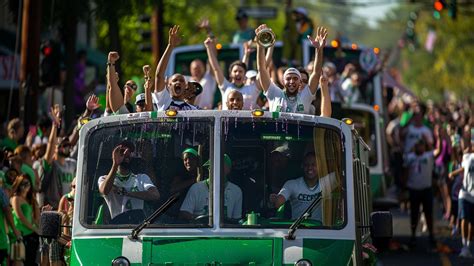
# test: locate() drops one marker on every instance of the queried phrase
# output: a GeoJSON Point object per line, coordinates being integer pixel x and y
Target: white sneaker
{"type": "Point", "coordinates": [465, 253]}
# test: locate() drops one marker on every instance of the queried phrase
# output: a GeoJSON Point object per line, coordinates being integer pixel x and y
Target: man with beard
{"type": "Point", "coordinates": [123, 190]}
{"type": "Point", "coordinates": [302, 191]}
{"type": "Point", "coordinates": [174, 98]}
{"type": "Point", "coordinates": [237, 72]}
{"type": "Point", "coordinates": [290, 99]}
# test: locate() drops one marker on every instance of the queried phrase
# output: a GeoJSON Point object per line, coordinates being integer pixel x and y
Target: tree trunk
{"type": "Point", "coordinates": [69, 40]}
{"type": "Point", "coordinates": [29, 74]}
{"type": "Point", "coordinates": [114, 35]}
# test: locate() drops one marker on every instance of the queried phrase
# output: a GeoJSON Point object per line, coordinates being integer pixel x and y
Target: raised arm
{"type": "Point", "coordinates": [318, 45]}
{"type": "Point", "coordinates": [212, 56]}
{"type": "Point", "coordinates": [263, 75]}
{"type": "Point", "coordinates": [118, 155]}
{"type": "Point", "coordinates": [115, 95]}
{"type": "Point", "coordinates": [173, 41]}
{"type": "Point", "coordinates": [51, 146]}
{"type": "Point", "coordinates": [148, 86]}
{"type": "Point", "coordinates": [326, 109]}
{"type": "Point", "coordinates": [247, 51]}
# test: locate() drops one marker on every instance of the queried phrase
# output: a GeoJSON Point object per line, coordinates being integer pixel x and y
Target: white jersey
{"type": "Point", "coordinates": [119, 203]}
{"type": "Point", "coordinates": [414, 134]}
{"type": "Point", "coordinates": [350, 92]}
{"type": "Point", "coordinates": [301, 196]}
{"type": "Point", "coordinates": [420, 170]}
{"type": "Point", "coordinates": [205, 100]}
{"type": "Point", "coordinates": [280, 102]}
{"type": "Point", "coordinates": [164, 102]}
{"type": "Point", "coordinates": [467, 190]}
{"type": "Point", "coordinates": [197, 200]}
{"type": "Point", "coordinates": [249, 92]}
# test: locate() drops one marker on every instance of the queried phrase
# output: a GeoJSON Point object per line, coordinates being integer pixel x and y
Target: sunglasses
{"type": "Point", "coordinates": [131, 85]}
{"type": "Point", "coordinates": [25, 184]}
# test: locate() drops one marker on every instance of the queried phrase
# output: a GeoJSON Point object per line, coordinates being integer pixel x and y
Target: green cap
{"type": "Point", "coordinates": [191, 151]}
{"type": "Point", "coordinates": [227, 161]}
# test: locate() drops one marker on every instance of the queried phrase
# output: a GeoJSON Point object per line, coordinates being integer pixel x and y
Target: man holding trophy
{"type": "Point", "coordinates": [290, 99]}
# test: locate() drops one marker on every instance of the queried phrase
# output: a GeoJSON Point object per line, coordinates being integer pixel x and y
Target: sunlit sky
{"type": "Point", "coordinates": [374, 12]}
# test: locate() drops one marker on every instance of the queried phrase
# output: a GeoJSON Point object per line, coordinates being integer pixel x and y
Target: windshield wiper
{"type": "Point", "coordinates": [307, 213]}
{"type": "Point", "coordinates": [153, 216]}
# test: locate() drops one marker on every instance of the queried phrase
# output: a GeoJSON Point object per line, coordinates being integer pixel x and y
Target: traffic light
{"type": "Point", "coordinates": [453, 9]}
{"type": "Point", "coordinates": [50, 63]}
{"type": "Point", "coordinates": [410, 33]}
{"type": "Point", "coordinates": [439, 6]}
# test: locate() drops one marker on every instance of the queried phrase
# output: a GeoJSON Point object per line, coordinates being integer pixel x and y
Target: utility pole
{"type": "Point", "coordinates": [157, 37]}
{"type": "Point", "coordinates": [29, 74]}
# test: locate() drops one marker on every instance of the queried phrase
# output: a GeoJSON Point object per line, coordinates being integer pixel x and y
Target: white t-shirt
{"type": "Point", "coordinates": [279, 102]}
{"type": "Point", "coordinates": [414, 134]}
{"type": "Point", "coordinates": [467, 190]}
{"type": "Point", "coordinates": [205, 100]}
{"type": "Point", "coordinates": [350, 93]}
{"type": "Point", "coordinates": [119, 203]}
{"type": "Point", "coordinates": [197, 200]}
{"type": "Point", "coordinates": [301, 196]}
{"type": "Point", "coordinates": [420, 170]}
{"type": "Point", "coordinates": [249, 92]}
{"type": "Point", "coordinates": [164, 102]}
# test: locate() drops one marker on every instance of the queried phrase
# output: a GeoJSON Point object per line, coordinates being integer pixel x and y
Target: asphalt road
{"type": "Point", "coordinates": [400, 253]}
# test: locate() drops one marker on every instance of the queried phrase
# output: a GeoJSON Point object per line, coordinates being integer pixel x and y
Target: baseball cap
{"type": "Point", "coordinates": [227, 161]}
{"type": "Point", "coordinates": [197, 86]}
{"type": "Point", "coordinates": [283, 149]}
{"type": "Point", "coordinates": [191, 151]}
{"type": "Point", "coordinates": [251, 74]}
{"type": "Point", "coordinates": [301, 10]}
{"type": "Point", "coordinates": [140, 97]}
{"type": "Point", "coordinates": [329, 65]}
{"type": "Point", "coordinates": [292, 70]}
{"type": "Point", "coordinates": [240, 15]}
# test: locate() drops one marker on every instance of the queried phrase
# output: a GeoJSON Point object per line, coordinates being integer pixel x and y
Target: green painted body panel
{"type": "Point", "coordinates": [376, 185]}
{"type": "Point", "coordinates": [235, 251]}
{"type": "Point", "coordinates": [95, 251]}
{"type": "Point", "coordinates": [211, 251]}
{"type": "Point", "coordinates": [328, 251]}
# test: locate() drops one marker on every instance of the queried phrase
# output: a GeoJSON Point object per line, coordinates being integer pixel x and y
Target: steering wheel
{"type": "Point", "coordinates": [201, 218]}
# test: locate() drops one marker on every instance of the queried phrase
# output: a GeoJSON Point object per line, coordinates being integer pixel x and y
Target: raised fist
{"type": "Point", "coordinates": [113, 57]}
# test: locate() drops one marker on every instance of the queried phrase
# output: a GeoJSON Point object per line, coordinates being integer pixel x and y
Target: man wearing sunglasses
{"type": "Point", "coordinates": [129, 89]}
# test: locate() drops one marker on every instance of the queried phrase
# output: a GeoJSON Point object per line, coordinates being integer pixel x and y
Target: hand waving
{"type": "Point", "coordinates": [55, 112]}
{"type": "Point", "coordinates": [323, 81]}
{"type": "Point", "coordinates": [92, 103]}
{"type": "Point", "coordinates": [320, 40]}
{"type": "Point", "coordinates": [173, 38]}
{"type": "Point", "coordinates": [248, 47]}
